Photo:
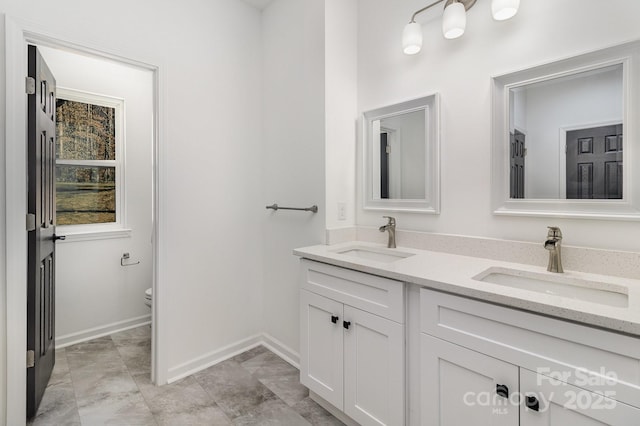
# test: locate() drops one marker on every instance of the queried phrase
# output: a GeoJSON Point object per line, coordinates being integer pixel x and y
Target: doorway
{"type": "Point", "coordinates": [390, 163]}
{"type": "Point", "coordinates": [103, 182]}
{"type": "Point", "coordinates": [18, 36]}
{"type": "Point", "coordinates": [518, 151]}
{"type": "Point", "coordinates": [103, 190]}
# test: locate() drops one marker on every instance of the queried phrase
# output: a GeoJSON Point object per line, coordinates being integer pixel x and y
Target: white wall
{"type": "Point", "coordinates": [543, 31]}
{"type": "Point", "coordinates": [213, 203]}
{"type": "Point", "coordinates": [94, 294]}
{"type": "Point", "coordinates": [309, 141]}
{"type": "Point", "coordinates": [341, 55]}
{"type": "Point", "coordinates": [517, 110]}
{"type": "Point", "coordinates": [293, 154]}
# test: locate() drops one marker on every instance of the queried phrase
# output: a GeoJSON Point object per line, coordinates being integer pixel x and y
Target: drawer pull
{"type": "Point", "coordinates": [334, 319]}
{"type": "Point", "coordinates": [502, 390]}
{"type": "Point", "coordinates": [532, 403]}
{"type": "Point", "coordinates": [346, 324]}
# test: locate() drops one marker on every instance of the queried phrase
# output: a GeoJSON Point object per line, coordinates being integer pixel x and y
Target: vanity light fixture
{"type": "Point", "coordinates": [454, 20]}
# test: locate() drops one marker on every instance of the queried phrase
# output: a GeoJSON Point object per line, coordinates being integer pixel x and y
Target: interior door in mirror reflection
{"type": "Point", "coordinates": [594, 163]}
{"type": "Point", "coordinates": [384, 166]}
{"type": "Point", "coordinates": [518, 151]}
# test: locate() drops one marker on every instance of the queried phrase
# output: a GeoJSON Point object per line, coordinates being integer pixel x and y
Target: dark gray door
{"type": "Point", "coordinates": [384, 165]}
{"type": "Point", "coordinates": [518, 151]}
{"type": "Point", "coordinates": [594, 163]}
{"type": "Point", "coordinates": [41, 147]}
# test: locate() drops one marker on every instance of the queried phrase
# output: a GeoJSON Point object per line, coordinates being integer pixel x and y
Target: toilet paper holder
{"type": "Point", "coordinates": [126, 256]}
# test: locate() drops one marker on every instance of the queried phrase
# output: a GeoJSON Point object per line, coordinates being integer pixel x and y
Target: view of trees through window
{"type": "Point", "coordinates": [85, 163]}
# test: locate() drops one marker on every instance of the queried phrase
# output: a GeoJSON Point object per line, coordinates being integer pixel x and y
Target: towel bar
{"type": "Point", "coordinates": [313, 208]}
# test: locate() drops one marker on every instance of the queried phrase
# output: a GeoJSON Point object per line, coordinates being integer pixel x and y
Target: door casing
{"type": "Point", "coordinates": [18, 34]}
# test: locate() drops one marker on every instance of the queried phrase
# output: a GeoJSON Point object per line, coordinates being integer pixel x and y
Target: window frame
{"type": "Point", "coordinates": [110, 229]}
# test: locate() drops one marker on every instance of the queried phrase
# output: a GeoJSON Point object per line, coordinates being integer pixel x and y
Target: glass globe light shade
{"type": "Point", "coordinates": [454, 20]}
{"type": "Point", "coordinates": [412, 38]}
{"type": "Point", "coordinates": [504, 9]}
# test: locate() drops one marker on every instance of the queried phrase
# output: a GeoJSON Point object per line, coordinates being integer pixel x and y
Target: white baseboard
{"type": "Point", "coordinates": [103, 330]}
{"type": "Point", "coordinates": [282, 350]}
{"type": "Point", "coordinates": [212, 358]}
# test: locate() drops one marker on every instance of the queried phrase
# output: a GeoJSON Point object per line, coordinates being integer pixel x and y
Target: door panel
{"type": "Point", "coordinates": [374, 368]}
{"type": "Point", "coordinates": [594, 163]}
{"type": "Point", "coordinates": [384, 166]}
{"type": "Point", "coordinates": [518, 152]}
{"type": "Point", "coordinates": [41, 241]}
{"type": "Point", "coordinates": [321, 346]}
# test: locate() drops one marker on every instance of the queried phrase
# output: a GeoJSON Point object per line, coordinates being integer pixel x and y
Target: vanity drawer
{"type": "Point", "coordinates": [371, 293]}
{"type": "Point", "coordinates": [584, 356]}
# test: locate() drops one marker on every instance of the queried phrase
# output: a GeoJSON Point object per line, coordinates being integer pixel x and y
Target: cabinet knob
{"type": "Point", "coordinates": [532, 403]}
{"type": "Point", "coordinates": [502, 390]}
{"type": "Point", "coordinates": [334, 319]}
{"type": "Point", "coordinates": [346, 324]}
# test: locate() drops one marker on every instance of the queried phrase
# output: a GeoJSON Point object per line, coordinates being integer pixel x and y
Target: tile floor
{"type": "Point", "coordinates": [106, 381]}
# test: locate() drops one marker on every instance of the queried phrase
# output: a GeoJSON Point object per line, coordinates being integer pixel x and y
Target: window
{"type": "Point", "coordinates": [89, 159]}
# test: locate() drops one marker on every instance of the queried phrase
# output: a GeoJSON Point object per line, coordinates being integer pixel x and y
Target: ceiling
{"type": "Point", "coordinates": [258, 4]}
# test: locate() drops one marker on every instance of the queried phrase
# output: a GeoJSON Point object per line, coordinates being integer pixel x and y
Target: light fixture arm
{"type": "Point", "coordinates": [467, 5]}
{"type": "Point", "coordinates": [413, 17]}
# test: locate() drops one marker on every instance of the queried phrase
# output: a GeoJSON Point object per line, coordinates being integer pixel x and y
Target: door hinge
{"type": "Point", "coordinates": [388, 149]}
{"type": "Point", "coordinates": [31, 222]}
{"type": "Point", "coordinates": [30, 85]}
{"type": "Point", "coordinates": [31, 359]}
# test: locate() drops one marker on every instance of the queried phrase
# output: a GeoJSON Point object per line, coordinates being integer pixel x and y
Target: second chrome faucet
{"type": "Point", "coordinates": [553, 244]}
{"type": "Point", "coordinates": [390, 227]}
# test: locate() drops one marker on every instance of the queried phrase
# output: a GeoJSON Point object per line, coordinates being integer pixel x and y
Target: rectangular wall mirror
{"type": "Point", "coordinates": [401, 157]}
{"type": "Point", "coordinates": [564, 138]}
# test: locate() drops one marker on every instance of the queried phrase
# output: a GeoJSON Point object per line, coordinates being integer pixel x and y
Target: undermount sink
{"type": "Point", "coordinates": [386, 255]}
{"type": "Point", "coordinates": [559, 285]}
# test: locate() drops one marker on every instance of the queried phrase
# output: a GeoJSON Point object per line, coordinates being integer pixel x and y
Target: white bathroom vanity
{"type": "Point", "coordinates": [406, 336]}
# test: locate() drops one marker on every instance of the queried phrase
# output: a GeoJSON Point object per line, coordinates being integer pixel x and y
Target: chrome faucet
{"type": "Point", "coordinates": [554, 238]}
{"type": "Point", "coordinates": [391, 228]}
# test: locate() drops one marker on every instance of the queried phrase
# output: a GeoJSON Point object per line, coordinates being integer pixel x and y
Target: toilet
{"type": "Point", "coordinates": [147, 297]}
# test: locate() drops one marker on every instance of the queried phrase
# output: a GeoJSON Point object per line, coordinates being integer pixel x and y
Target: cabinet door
{"type": "Point", "coordinates": [321, 346]}
{"type": "Point", "coordinates": [561, 404]}
{"type": "Point", "coordinates": [374, 369]}
{"type": "Point", "coordinates": [464, 387]}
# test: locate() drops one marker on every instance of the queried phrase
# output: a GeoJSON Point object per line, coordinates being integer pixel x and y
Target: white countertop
{"type": "Point", "coordinates": [454, 274]}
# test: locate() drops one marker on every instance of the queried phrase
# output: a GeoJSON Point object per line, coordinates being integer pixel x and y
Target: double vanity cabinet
{"type": "Point", "coordinates": [386, 349]}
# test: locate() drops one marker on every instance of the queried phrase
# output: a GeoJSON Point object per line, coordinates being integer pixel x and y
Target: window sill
{"type": "Point", "coordinates": [79, 236]}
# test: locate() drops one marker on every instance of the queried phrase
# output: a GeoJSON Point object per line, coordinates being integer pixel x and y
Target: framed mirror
{"type": "Point", "coordinates": [565, 137]}
{"type": "Point", "coordinates": [401, 156]}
